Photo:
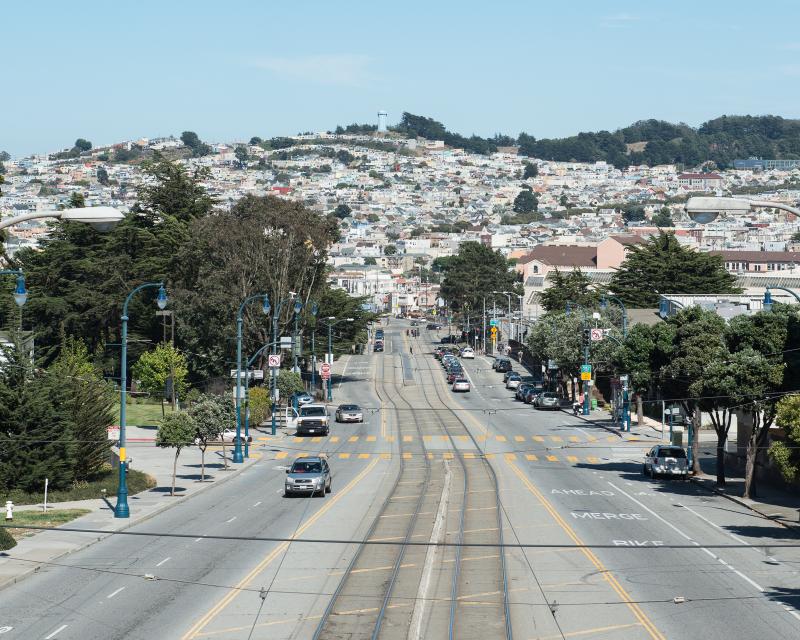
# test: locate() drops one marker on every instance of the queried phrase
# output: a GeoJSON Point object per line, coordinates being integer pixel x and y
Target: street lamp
{"type": "Point", "coordinates": [298, 307]}
{"type": "Point", "coordinates": [265, 307]}
{"type": "Point", "coordinates": [586, 341]}
{"type": "Point", "coordinates": [20, 292]}
{"type": "Point", "coordinates": [102, 219]}
{"type": "Point", "coordinates": [314, 311]}
{"type": "Point", "coordinates": [706, 209]}
{"type": "Point", "coordinates": [273, 370]}
{"type": "Point", "coordinates": [121, 510]}
{"type": "Point", "coordinates": [768, 302]}
{"type": "Point", "coordinates": [330, 326]}
{"type": "Point", "coordinates": [604, 305]}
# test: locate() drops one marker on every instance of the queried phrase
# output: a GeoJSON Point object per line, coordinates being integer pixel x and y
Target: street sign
{"type": "Point", "coordinates": [492, 322]}
{"type": "Point", "coordinates": [494, 331]}
{"type": "Point", "coordinates": [325, 370]}
{"type": "Point", "coordinates": [286, 342]}
{"type": "Point", "coordinates": [274, 361]}
{"type": "Point", "coordinates": [254, 374]}
{"type": "Point", "coordinates": [551, 364]}
{"type": "Point", "coordinates": [586, 375]}
{"type": "Point", "coordinates": [113, 433]}
{"type": "Point", "coordinates": [597, 335]}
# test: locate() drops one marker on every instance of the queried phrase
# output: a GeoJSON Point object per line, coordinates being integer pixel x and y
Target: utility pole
{"type": "Point", "coordinates": [483, 336]}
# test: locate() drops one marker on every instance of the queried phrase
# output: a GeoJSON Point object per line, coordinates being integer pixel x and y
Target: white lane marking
{"type": "Point", "coordinates": [56, 632]}
{"type": "Point", "coordinates": [231, 520]}
{"type": "Point", "coordinates": [197, 539]}
{"type": "Point", "coordinates": [113, 593]}
{"type": "Point", "coordinates": [257, 503]}
{"type": "Point", "coordinates": [163, 561]}
{"type": "Point", "coordinates": [344, 370]}
{"type": "Point", "coordinates": [716, 526]}
{"type": "Point", "coordinates": [689, 538]}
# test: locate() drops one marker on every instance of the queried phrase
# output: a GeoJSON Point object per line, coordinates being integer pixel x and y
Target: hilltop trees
{"type": "Point", "coordinates": [473, 274]}
{"type": "Point", "coordinates": [663, 265]}
{"type": "Point", "coordinates": [193, 142]}
{"type": "Point", "coordinates": [526, 202]}
{"type": "Point", "coordinates": [574, 286]}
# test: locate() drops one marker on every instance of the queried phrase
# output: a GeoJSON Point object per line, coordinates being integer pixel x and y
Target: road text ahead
{"type": "Point", "coordinates": [607, 516]}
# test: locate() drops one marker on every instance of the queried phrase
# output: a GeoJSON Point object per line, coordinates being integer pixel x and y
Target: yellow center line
{"type": "Point", "coordinates": [217, 609]}
{"type": "Point", "coordinates": [610, 578]}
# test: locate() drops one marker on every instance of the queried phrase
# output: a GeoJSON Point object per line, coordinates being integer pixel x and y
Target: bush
{"type": "Point", "coordinates": [6, 541]}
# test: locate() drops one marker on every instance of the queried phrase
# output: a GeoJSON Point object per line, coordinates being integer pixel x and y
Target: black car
{"type": "Point", "coordinates": [378, 346]}
{"type": "Point", "coordinates": [503, 365]}
{"type": "Point", "coordinates": [432, 326]}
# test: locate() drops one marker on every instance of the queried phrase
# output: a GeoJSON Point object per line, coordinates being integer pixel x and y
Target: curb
{"type": "Point", "coordinates": [740, 501]}
{"type": "Point", "coordinates": [37, 565]}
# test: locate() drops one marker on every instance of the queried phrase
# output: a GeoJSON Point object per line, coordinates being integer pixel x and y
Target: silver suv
{"type": "Point", "coordinates": [310, 474]}
{"type": "Point", "coordinates": [666, 460]}
{"type": "Point", "coordinates": [547, 400]}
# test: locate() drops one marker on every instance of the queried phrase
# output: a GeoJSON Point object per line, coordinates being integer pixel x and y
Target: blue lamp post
{"type": "Point", "coordinates": [604, 305]}
{"type": "Point", "coordinates": [298, 307]}
{"type": "Point", "coordinates": [265, 307]}
{"type": "Point", "coordinates": [276, 316]}
{"type": "Point", "coordinates": [768, 301]}
{"type": "Point", "coordinates": [121, 509]}
{"type": "Point", "coordinates": [586, 341]}
{"type": "Point", "coordinates": [20, 292]}
{"type": "Point", "coordinates": [314, 311]}
{"type": "Point", "coordinates": [330, 326]}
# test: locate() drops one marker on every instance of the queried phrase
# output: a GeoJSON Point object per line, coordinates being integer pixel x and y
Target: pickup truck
{"type": "Point", "coordinates": [313, 420]}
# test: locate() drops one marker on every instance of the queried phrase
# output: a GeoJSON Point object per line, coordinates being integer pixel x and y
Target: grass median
{"type": "Point", "coordinates": [142, 413]}
{"type": "Point", "coordinates": [86, 490]}
{"type": "Point", "coordinates": [51, 518]}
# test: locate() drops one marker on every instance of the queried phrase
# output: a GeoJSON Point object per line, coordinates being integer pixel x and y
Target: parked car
{"type": "Point", "coordinates": [349, 413]}
{"type": "Point", "coordinates": [547, 400]}
{"type": "Point", "coordinates": [513, 380]}
{"type": "Point", "coordinates": [313, 420]}
{"type": "Point", "coordinates": [309, 474]}
{"type": "Point", "coordinates": [468, 353]}
{"type": "Point", "coordinates": [461, 384]}
{"type": "Point", "coordinates": [666, 460]}
{"type": "Point", "coordinates": [522, 388]}
{"type": "Point", "coordinates": [531, 393]}
{"type": "Point", "coordinates": [503, 365]}
{"type": "Point", "coordinates": [508, 374]}
{"type": "Point", "coordinates": [454, 374]}
{"type": "Point", "coordinates": [432, 326]}
{"type": "Point", "coordinates": [301, 398]}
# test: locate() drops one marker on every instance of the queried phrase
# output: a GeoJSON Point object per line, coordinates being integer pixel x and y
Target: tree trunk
{"type": "Point", "coordinates": [697, 420]}
{"type": "Point", "coordinates": [224, 455]}
{"type": "Point", "coordinates": [175, 469]}
{"type": "Point", "coordinates": [202, 464]}
{"type": "Point", "coordinates": [750, 470]}
{"type": "Point", "coordinates": [639, 410]}
{"type": "Point", "coordinates": [721, 439]}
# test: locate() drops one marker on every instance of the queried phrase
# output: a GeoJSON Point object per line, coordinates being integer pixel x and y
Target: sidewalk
{"type": "Point", "coordinates": [51, 545]}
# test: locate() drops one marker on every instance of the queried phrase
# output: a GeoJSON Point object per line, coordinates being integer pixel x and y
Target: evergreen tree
{"type": "Point", "coordinates": [662, 265]}
{"type": "Point", "coordinates": [573, 287]}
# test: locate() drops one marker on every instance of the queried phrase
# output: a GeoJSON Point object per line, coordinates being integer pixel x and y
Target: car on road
{"type": "Point", "coordinates": [508, 374]}
{"type": "Point", "coordinates": [522, 389]}
{"type": "Point", "coordinates": [503, 365]}
{"type": "Point", "coordinates": [313, 420]}
{"type": "Point", "coordinates": [468, 353]}
{"type": "Point", "coordinates": [432, 326]}
{"type": "Point", "coordinates": [349, 413]}
{"type": "Point", "coordinates": [461, 384]}
{"type": "Point", "coordinates": [301, 398]}
{"type": "Point", "coordinates": [309, 474]}
{"type": "Point", "coordinates": [531, 393]}
{"type": "Point", "coordinates": [378, 348]}
{"type": "Point", "coordinates": [547, 400]}
{"type": "Point", "coordinates": [666, 460]}
{"type": "Point", "coordinates": [229, 435]}
{"type": "Point", "coordinates": [513, 380]}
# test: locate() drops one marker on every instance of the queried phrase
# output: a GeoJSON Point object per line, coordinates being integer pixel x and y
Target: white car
{"type": "Point", "coordinates": [666, 460]}
{"type": "Point", "coordinates": [461, 384]}
{"type": "Point", "coordinates": [468, 353]}
{"type": "Point", "coordinates": [229, 435]}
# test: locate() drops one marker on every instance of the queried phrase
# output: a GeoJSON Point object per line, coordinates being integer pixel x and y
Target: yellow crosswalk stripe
{"type": "Point", "coordinates": [556, 438]}
{"type": "Point", "coordinates": [490, 456]}
{"type": "Point", "coordinates": [592, 460]}
{"type": "Point", "coordinates": [344, 456]}
{"type": "Point", "coordinates": [519, 439]}
{"type": "Point", "coordinates": [427, 438]}
{"type": "Point", "coordinates": [406, 456]}
{"type": "Point", "coordinates": [447, 456]}
{"type": "Point", "coordinates": [370, 438]}
{"type": "Point", "coordinates": [538, 438]}
{"type": "Point", "coordinates": [386, 456]}
{"type": "Point", "coordinates": [574, 439]}
{"type": "Point", "coordinates": [407, 438]}
{"type": "Point", "coordinates": [390, 438]}
{"type": "Point", "coordinates": [611, 438]}
{"type": "Point", "coordinates": [501, 438]}
{"type": "Point", "coordinates": [298, 439]}
{"type": "Point", "coordinates": [511, 456]}
{"type": "Point", "coordinates": [334, 438]}
{"type": "Point", "coordinates": [552, 459]}
{"type": "Point", "coordinates": [363, 456]}
{"type": "Point", "coordinates": [281, 455]}
{"type": "Point", "coordinates": [469, 456]}
{"type": "Point", "coordinates": [592, 439]}
{"type": "Point", "coordinates": [572, 459]}
{"type": "Point", "coordinates": [353, 439]}
{"type": "Point", "coordinates": [531, 457]}
{"type": "Point", "coordinates": [316, 439]}
{"type": "Point", "coordinates": [443, 438]}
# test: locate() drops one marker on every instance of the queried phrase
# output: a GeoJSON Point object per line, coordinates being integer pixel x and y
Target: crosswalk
{"type": "Point", "coordinates": [600, 440]}
{"type": "Point", "coordinates": [631, 455]}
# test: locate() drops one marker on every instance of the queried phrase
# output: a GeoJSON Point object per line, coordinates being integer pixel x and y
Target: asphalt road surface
{"type": "Point", "coordinates": [478, 471]}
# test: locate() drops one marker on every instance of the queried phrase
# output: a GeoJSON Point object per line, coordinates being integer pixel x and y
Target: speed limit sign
{"type": "Point", "coordinates": [274, 361]}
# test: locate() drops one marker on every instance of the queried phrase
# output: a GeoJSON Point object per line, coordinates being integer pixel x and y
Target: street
{"type": "Point", "coordinates": [429, 466]}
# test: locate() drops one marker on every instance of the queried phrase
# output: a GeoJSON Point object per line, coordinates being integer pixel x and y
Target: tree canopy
{"type": "Point", "coordinates": [474, 273]}
{"type": "Point", "coordinates": [661, 266]}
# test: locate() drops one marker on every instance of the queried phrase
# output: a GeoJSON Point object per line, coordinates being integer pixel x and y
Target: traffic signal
{"type": "Point", "coordinates": [587, 335]}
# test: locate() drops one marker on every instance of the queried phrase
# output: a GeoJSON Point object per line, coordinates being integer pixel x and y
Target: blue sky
{"type": "Point", "coordinates": [109, 71]}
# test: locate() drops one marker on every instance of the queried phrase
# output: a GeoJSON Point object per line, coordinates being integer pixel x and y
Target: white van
{"type": "Point", "coordinates": [467, 352]}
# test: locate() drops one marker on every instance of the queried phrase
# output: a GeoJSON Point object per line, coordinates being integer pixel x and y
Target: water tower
{"type": "Point", "coordinates": [382, 116]}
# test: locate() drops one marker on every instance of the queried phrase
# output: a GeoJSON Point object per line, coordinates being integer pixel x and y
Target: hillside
{"type": "Point", "coordinates": [720, 140]}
